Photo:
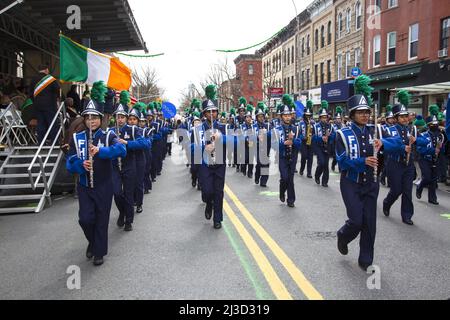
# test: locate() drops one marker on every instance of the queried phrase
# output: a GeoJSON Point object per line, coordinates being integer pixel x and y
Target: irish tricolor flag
{"type": "Point", "coordinates": [81, 64]}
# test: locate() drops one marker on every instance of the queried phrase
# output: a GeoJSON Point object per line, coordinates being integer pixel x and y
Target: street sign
{"type": "Point", "coordinates": [356, 72]}
{"type": "Point", "coordinates": [276, 92]}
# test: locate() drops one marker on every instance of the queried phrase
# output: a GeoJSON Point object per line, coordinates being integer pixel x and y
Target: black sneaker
{"type": "Point", "coordinates": [89, 253]}
{"type": "Point", "coordinates": [153, 180]}
{"type": "Point", "coordinates": [433, 202]}
{"type": "Point", "coordinates": [342, 247]}
{"type": "Point", "coordinates": [325, 185]}
{"type": "Point", "coordinates": [98, 261]}
{"type": "Point", "coordinates": [364, 266]}
{"type": "Point", "coordinates": [217, 225]}
{"type": "Point", "coordinates": [194, 183]}
{"type": "Point", "coordinates": [408, 222]}
{"type": "Point", "coordinates": [146, 192]}
{"type": "Point", "coordinates": [386, 210]}
{"type": "Point", "coordinates": [128, 227]}
{"type": "Point", "coordinates": [418, 193]}
{"type": "Point", "coordinates": [120, 222]}
{"type": "Point", "coordinates": [208, 211]}
{"type": "Point", "coordinates": [291, 205]}
{"type": "Point", "coordinates": [139, 209]}
{"type": "Point", "coordinates": [309, 176]}
{"type": "Point", "coordinates": [317, 180]}
{"type": "Point", "coordinates": [282, 197]}
{"type": "Point", "coordinates": [301, 173]}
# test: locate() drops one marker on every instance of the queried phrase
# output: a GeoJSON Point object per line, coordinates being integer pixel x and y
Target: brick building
{"type": "Point", "coordinates": [249, 74]}
{"type": "Point", "coordinates": [407, 48]}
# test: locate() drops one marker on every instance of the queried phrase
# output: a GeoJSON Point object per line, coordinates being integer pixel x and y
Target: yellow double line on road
{"type": "Point", "coordinates": [275, 283]}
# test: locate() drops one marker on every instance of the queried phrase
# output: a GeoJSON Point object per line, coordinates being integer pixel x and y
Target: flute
{"type": "Point", "coordinates": [91, 158]}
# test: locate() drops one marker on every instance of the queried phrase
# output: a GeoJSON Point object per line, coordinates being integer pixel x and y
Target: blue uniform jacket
{"type": "Point", "coordinates": [109, 149]}
{"type": "Point", "coordinates": [279, 138]}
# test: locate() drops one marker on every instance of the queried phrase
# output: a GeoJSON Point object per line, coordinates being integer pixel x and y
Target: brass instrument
{"type": "Point", "coordinates": [308, 133]}
{"type": "Point", "coordinates": [91, 158]}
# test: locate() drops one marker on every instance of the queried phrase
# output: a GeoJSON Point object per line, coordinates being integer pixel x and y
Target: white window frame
{"type": "Point", "coordinates": [358, 13]}
{"type": "Point", "coordinates": [339, 25]}
{"type": "Point", "coordinates": [348, 20]}
{"type": "Point", "coordinates": [409, 42]}
{"type": "Point", "coordinates": [388, 48]}
{"type": "Point", "coordinates": [339, 66]}
{"type": "Point", "coordinates": [251, 70]}
{"type": "Point", "coordinates": [348, 62]}
{"type": "Point", "coordinates": [392, 4]}
{"type": "Point", "coordinates": [374, 52]}
{"type": "Point", "coordinates": [358, 57]}
{"type": "Point", "coordinates": [378, 9]}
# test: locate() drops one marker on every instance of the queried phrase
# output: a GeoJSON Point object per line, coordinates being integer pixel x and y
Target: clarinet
{"type": "Point", "coordinates": [408, 156]}
{"type": "Point", "coordinates": [119, 159]}
{"type": "Point", "coordinates": [375, 137]}
{"type": "Point", "coordinates": [91, 158]}
{"type": "Point", "coordinates": [288, 148]}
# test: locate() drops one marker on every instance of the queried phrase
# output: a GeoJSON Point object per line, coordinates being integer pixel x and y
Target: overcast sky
{"type": "Point", "coordinates": [188, 31]}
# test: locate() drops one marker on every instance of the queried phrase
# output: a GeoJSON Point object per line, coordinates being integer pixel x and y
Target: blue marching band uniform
{"type": "Point", "coordinates": [122, 166]}
{"type": "Point", "coordinates": [94, 191]}
{"type": "Point", "coordinates": [306, 150]}
{"type": "Point", "coordinates": [129, 157]}
{"type": "Point", "coordinates": [323, 138]}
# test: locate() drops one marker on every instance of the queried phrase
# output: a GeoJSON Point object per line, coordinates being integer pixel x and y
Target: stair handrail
{"type": "Point", "coordinates": [61, 113]}
{"type": "Point", "coordinates": [7, 128]}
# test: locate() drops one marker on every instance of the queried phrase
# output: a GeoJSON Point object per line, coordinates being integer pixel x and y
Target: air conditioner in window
{"type": "Point", "coordinates": [443, 53]}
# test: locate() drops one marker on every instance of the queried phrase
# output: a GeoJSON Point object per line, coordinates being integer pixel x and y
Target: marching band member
{"type": "Point", "coordinates": [288, 143]}
{"type": "Point", "coordinates": [429, 154]}
{"type": "Point", "coordinates": [400, 171]}
{"type": "Point", "coordinates": [140, 143]}
{"type": "Point", "coordinates": [359, 188]}
{"type": "Point", "coordinates": [263, 137]}
{"type": "Point", "coordinates": [212, 144]}
{"type": "Point", "coordinates": [249, 143]}
{"type": "Point", "coordinates": [306, 128]}
{"type": "Point", "coordinates": [90, 156]}
{"type": "Point", "coordinates": [322, 141]}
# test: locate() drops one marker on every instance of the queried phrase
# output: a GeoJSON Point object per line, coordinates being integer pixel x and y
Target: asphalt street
{"type": "Point", "coordinates": [265, 250]}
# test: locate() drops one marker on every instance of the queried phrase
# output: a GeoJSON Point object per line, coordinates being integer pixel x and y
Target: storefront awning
{"type": "Point", "coordinates": [435, 88]}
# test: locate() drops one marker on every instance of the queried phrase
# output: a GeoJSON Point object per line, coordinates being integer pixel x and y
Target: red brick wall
{"type": "Point", "coordinates": [427, 13]}
{"type": "Point", "coordinates": [244, 77]}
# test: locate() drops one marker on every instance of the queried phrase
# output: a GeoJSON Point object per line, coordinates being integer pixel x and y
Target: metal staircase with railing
{"type": "Point", "coordinates": [28, 172]}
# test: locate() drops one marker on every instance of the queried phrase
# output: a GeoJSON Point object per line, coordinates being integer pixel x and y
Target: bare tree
{"type": "Point", "coordinates": [223, 75]}
{"type": "Point", "coordinates": [190, 93]}
{"type": "Point", "coordinates": [145, 84]}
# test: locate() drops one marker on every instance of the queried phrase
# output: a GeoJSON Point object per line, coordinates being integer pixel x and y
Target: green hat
{"type": "Point", "coordinates": [339, 111]}
{"type": "Point", "coordinates": [419, 122]}
{"type": "Point", "coordinates": [362, 86]}
{"type": "Point", "coordinates": [249, 110]}
{"type": "Point", "coordinates": [211, 98]}
{"type": "Point", "coordinates": [261, 108]}
{"type": "Point", "coordinates": [323, 108]}
{"type": "Point", "coordinates": [389, 113]}
{"type": "Point", "coordinates": [242, 103]}
{"type": "Point", "coordinates": [232, 112]}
